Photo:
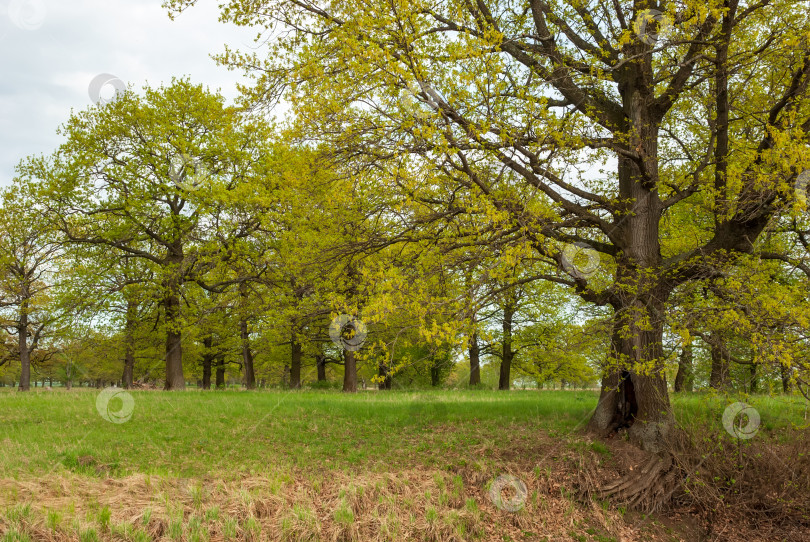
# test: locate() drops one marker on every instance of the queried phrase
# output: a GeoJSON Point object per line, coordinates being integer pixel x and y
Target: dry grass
{"type": "Point", "coordinates": [420, 504]}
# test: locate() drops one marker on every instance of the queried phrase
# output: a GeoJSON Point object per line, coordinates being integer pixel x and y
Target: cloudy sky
{"type": "Point", "coordinates": [52, 50]}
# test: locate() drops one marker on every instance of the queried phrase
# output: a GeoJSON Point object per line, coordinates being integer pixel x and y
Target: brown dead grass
{"type": "Point", "coordinates": [446, 503]}
{"type": "Point", "coordinates": [420, 504]}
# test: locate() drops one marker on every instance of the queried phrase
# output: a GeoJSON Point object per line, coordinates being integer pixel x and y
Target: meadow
{"type": "Point", "coordinates": [320, 465]}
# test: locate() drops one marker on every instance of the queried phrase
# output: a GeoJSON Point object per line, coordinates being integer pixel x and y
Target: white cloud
{"type": "Point", "coordinates": [50, 51]}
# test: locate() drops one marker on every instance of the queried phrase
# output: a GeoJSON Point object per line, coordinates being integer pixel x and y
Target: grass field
{"type": "Point", "coordinates": [321, 465]}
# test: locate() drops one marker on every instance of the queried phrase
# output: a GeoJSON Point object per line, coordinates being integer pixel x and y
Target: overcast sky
{"type": "Point", "coordinates": [51, 51]}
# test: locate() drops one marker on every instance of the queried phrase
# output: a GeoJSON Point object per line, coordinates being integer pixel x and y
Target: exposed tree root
{"type": "Point", "coordinates": [648, 488]}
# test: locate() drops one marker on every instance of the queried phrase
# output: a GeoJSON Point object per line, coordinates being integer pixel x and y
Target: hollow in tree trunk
{"type": "Point", "coordinates": [632, 397]}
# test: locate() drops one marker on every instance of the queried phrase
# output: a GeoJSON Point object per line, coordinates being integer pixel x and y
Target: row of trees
{"type": "Point", "coordinates": [173, 237]}
{"type": "Point", "coordinates": [225, 252]}
{"type": "Point", "coordinates": [673, 150]}
{"type": "Point", "coordinates": [536, 184]}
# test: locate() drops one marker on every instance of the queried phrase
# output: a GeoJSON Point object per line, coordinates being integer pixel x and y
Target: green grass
{"type": "Point", "coordinates": [303, 445]}
{"type": "Point", "coordinates": [199, 433]}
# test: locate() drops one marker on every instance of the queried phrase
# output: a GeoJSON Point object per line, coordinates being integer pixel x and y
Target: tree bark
{"type": "Point", "coordinates": [629, 397]}
{"type": "Point", "coordinates": [387, 382]}
{"type": "Point", "coordinates": [220, 374]}
{"type": "Point", "coordinates": [247, 356]}
{"type": "Point", "coordinates": [638, 304]}
{"type": "Point", "coordinates": [349, 372]}
{"type": "Point", "coordinates": [174, 346]}
{"type": "Point", "coordinates": [719, 378]}
{"type": "Point", "coordinates": [505, 378]}
{"type": "Point", "coordinates": [295, 364]}
{"type": "Point", "coordinates": [435, 375]}
{"type": "Point", "coordinates": [320, 364]}
{"type": "Point", "coordinates": [475, 361]}
{"type": "Point", "coordinates": [785, 373]}
{"type": "Point", "coordinates": [207, 361]}
{"type": "Point", "coordinates": [129, 344]}
{"type": "Point", "coordinates": [684, 378]}
{"type": "Point", "coordinates": [752, 382]}
{"type": "Point", "coordinates": [25, 354]}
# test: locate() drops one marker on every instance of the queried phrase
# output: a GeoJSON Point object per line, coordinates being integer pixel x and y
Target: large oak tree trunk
{"type": "Point", "coordinates": [634, 390]}
{"type": "Point", "coordinates": [631, 398]}
{"type": "Point", "coordinates": [475, 361]}
{"type": "Point", "coordinates": [349, 372]}
{"type": "Point", "coordinates": [320, 365]}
